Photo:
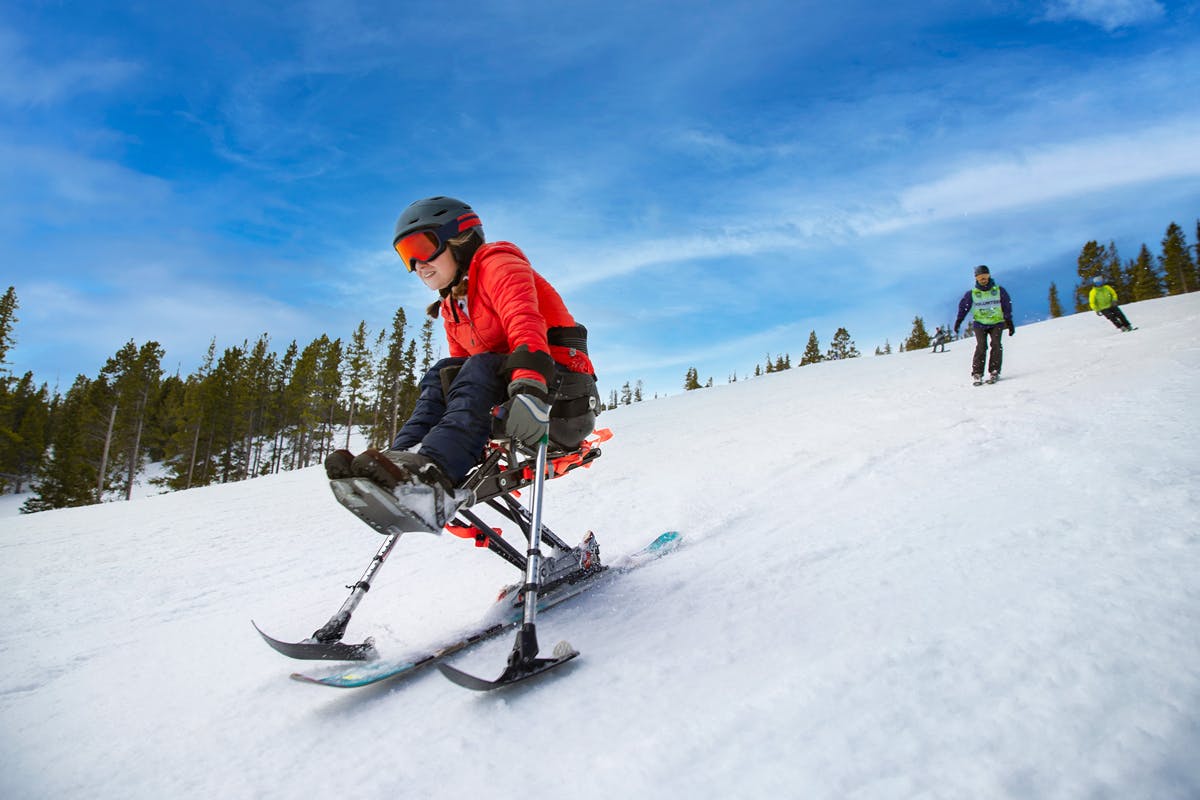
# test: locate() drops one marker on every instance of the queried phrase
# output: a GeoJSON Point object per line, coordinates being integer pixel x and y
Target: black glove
{"type": "Point", "coordinates": [527, 412]}
{"type": "Point", "coordinates": [1012, 329]}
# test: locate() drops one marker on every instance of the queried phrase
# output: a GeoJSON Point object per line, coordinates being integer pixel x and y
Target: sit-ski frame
{"type": "Point", "coordinates": [497, 481]}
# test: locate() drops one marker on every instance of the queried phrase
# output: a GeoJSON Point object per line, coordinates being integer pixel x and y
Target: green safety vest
{"type": "Point", "coordinates": [986, 306]}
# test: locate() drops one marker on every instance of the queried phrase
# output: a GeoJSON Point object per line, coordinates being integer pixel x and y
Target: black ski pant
{"type": "Point", "coordinates": [1116, 316]}
{"type": "Point", "coordinates": [982, 334]}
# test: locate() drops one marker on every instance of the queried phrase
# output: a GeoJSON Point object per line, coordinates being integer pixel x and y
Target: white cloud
{"type": "Point", "coordinates": [1107, 14]}
{"type": "Point", "coordinates": [1036, 176]}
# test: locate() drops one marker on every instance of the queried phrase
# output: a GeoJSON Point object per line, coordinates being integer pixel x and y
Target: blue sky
{"type": "Point", "coordinates": [704, 182]}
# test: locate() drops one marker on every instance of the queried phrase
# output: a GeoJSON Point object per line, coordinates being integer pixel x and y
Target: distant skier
{"type": "Point", "coordinates": [991, 309]}
{"type": "Point", "coordinates": [1103, 300]}
{"type": "Point", "coordinates": [940, 337]}
{"type": "Point", "coordinates": [513, 345]}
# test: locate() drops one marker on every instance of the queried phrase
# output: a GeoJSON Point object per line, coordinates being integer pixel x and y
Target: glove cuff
{"type": "Point", "coordinates": [530, 387]}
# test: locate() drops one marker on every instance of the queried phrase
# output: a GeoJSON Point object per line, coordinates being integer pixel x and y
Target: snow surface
{"type": "Point", "coordinates": [894, 584]}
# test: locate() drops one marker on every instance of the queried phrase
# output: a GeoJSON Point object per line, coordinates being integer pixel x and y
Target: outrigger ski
{"type": "Point", "coordinates": [316, 650]}
{"type": "Point", "coordinates": [522, 663]}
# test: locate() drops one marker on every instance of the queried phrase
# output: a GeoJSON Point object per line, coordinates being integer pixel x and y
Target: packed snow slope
{"type": "Point", "coordinates": [894, 584]}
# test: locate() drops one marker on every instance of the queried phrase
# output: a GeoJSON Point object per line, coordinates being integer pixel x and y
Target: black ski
{"type": "Point", "coordinates": [519, 668]}
{"type": "Point", "coordinates": [315, 650]}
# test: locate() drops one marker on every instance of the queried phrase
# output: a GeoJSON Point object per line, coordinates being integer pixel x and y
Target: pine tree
{"type": "Point", "coordinates": [637, 391]}
{"type": "Point", "coordinates": [188, 424]}
{"type": "Point", "coordinates": [1196, 247]}
{"type": "Point", "coordinates": [229, 402]}
{"type": "Point", "coordinates": [24, 426]}
{"type": "Point", "coordinates": [842, 346]}
{"type": "Point", "coordinates": [426, 345]}
{"type": "Point", "coordinates": [260, 370]}
{"type": "Point", "coordinates": [330, 393]}
{"type": "Point", "coordinates": [812, 352]}
{"type": "Point", "coordinates": [1146, 283]}
{"type": "Point", "coordinates": [691, 381]}
{"type": "Point", "coordinates": [303, 403]}
{"type": "Point", "coordinates": [1113, 274]}
{"type": "Point", "coordinates": [8, 320]}
{"type": "Point", "coordinates": [394, 383]}
{"type": "Point", "coordinates": [1091, 263]}
{"type": "Point", "coordinates": [360, 370]}
{"type": "Point", "coordinates": [67, 478]}
{"type": "Point", "coordinates": [1176, 262]}
{"type": "Point", "coordinates": [124, 388]}
{"type": "Point", "coordinates": [919, 338]}
{"type": "Point", "coordinates": [143, 384]}
{"type": "Point", "coordinates": [1055, 306]}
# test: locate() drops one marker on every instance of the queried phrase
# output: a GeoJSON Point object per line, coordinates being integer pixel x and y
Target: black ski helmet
{"type": "Point", "coordinates": [434, 212]}
{"type": "Point", "coordinates": [982, 270]}
{"type": "Point", "coordinates": [451, 218]}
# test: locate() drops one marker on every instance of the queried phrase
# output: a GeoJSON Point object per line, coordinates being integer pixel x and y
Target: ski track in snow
{"type": "Point", "coordinates": [893, 584]}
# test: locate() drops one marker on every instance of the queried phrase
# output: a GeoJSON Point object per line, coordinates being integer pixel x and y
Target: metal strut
{"type": "Point", "coordinates": [523, 661]}
{"type": "Point", "coordinates": [326, 642]}
{"type": "Point", "coordinates": [335, 628]}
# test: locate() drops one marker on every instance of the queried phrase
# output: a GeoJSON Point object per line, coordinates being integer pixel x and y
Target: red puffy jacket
{"type": "Point", "coordinates": [508, 305]}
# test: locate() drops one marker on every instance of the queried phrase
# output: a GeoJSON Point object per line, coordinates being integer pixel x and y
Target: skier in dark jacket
{"type": "Point", "coordinates": [991, 308]}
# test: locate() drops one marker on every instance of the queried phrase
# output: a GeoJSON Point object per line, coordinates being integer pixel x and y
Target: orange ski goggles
{"type": "Point", "coordinates": [429, 243]}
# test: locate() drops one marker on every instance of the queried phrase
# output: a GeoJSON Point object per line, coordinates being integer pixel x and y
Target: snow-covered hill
{"type": "Point", "coordinates": [894, 585]}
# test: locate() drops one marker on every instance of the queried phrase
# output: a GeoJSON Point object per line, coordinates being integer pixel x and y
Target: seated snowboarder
{"type": "Point", "coordinates": [513, 345]}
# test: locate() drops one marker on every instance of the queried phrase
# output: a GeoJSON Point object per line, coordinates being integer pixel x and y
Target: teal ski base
{"type": "Point", "coordinates": [372, 672]}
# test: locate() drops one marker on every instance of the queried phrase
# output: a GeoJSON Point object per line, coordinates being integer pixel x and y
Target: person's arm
{"type": "Point", "coordinates": [964, 306]}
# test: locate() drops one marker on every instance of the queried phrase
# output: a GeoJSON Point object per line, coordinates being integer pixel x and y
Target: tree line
{"type": "Point", "coordinates": [244, 412]}
{"type": "Point", "coordinates": [840, 347]}
{"type": "Point", "coordinates": [1173, 271]}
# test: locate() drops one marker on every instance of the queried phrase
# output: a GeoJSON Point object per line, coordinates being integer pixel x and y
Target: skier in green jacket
{"type": "Point", "coordinates": [1103, 300]}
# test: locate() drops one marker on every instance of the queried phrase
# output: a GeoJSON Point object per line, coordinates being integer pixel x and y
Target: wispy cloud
{"type": "Point", "coordinates": [1107, 14]}
{"type": "Point", "coordinates": [988, 183]}
{"type": "Point", "coordinates": [26, 82]}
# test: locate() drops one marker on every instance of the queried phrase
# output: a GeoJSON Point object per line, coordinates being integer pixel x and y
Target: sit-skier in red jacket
{"type": "Point", "coordinates": [512, 343]}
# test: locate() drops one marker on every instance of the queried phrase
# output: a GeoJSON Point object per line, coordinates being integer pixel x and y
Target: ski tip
{"type": "Point", "coordinates": [664, 540]}
{"type": "Point", "coordinates": [563, 650]}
